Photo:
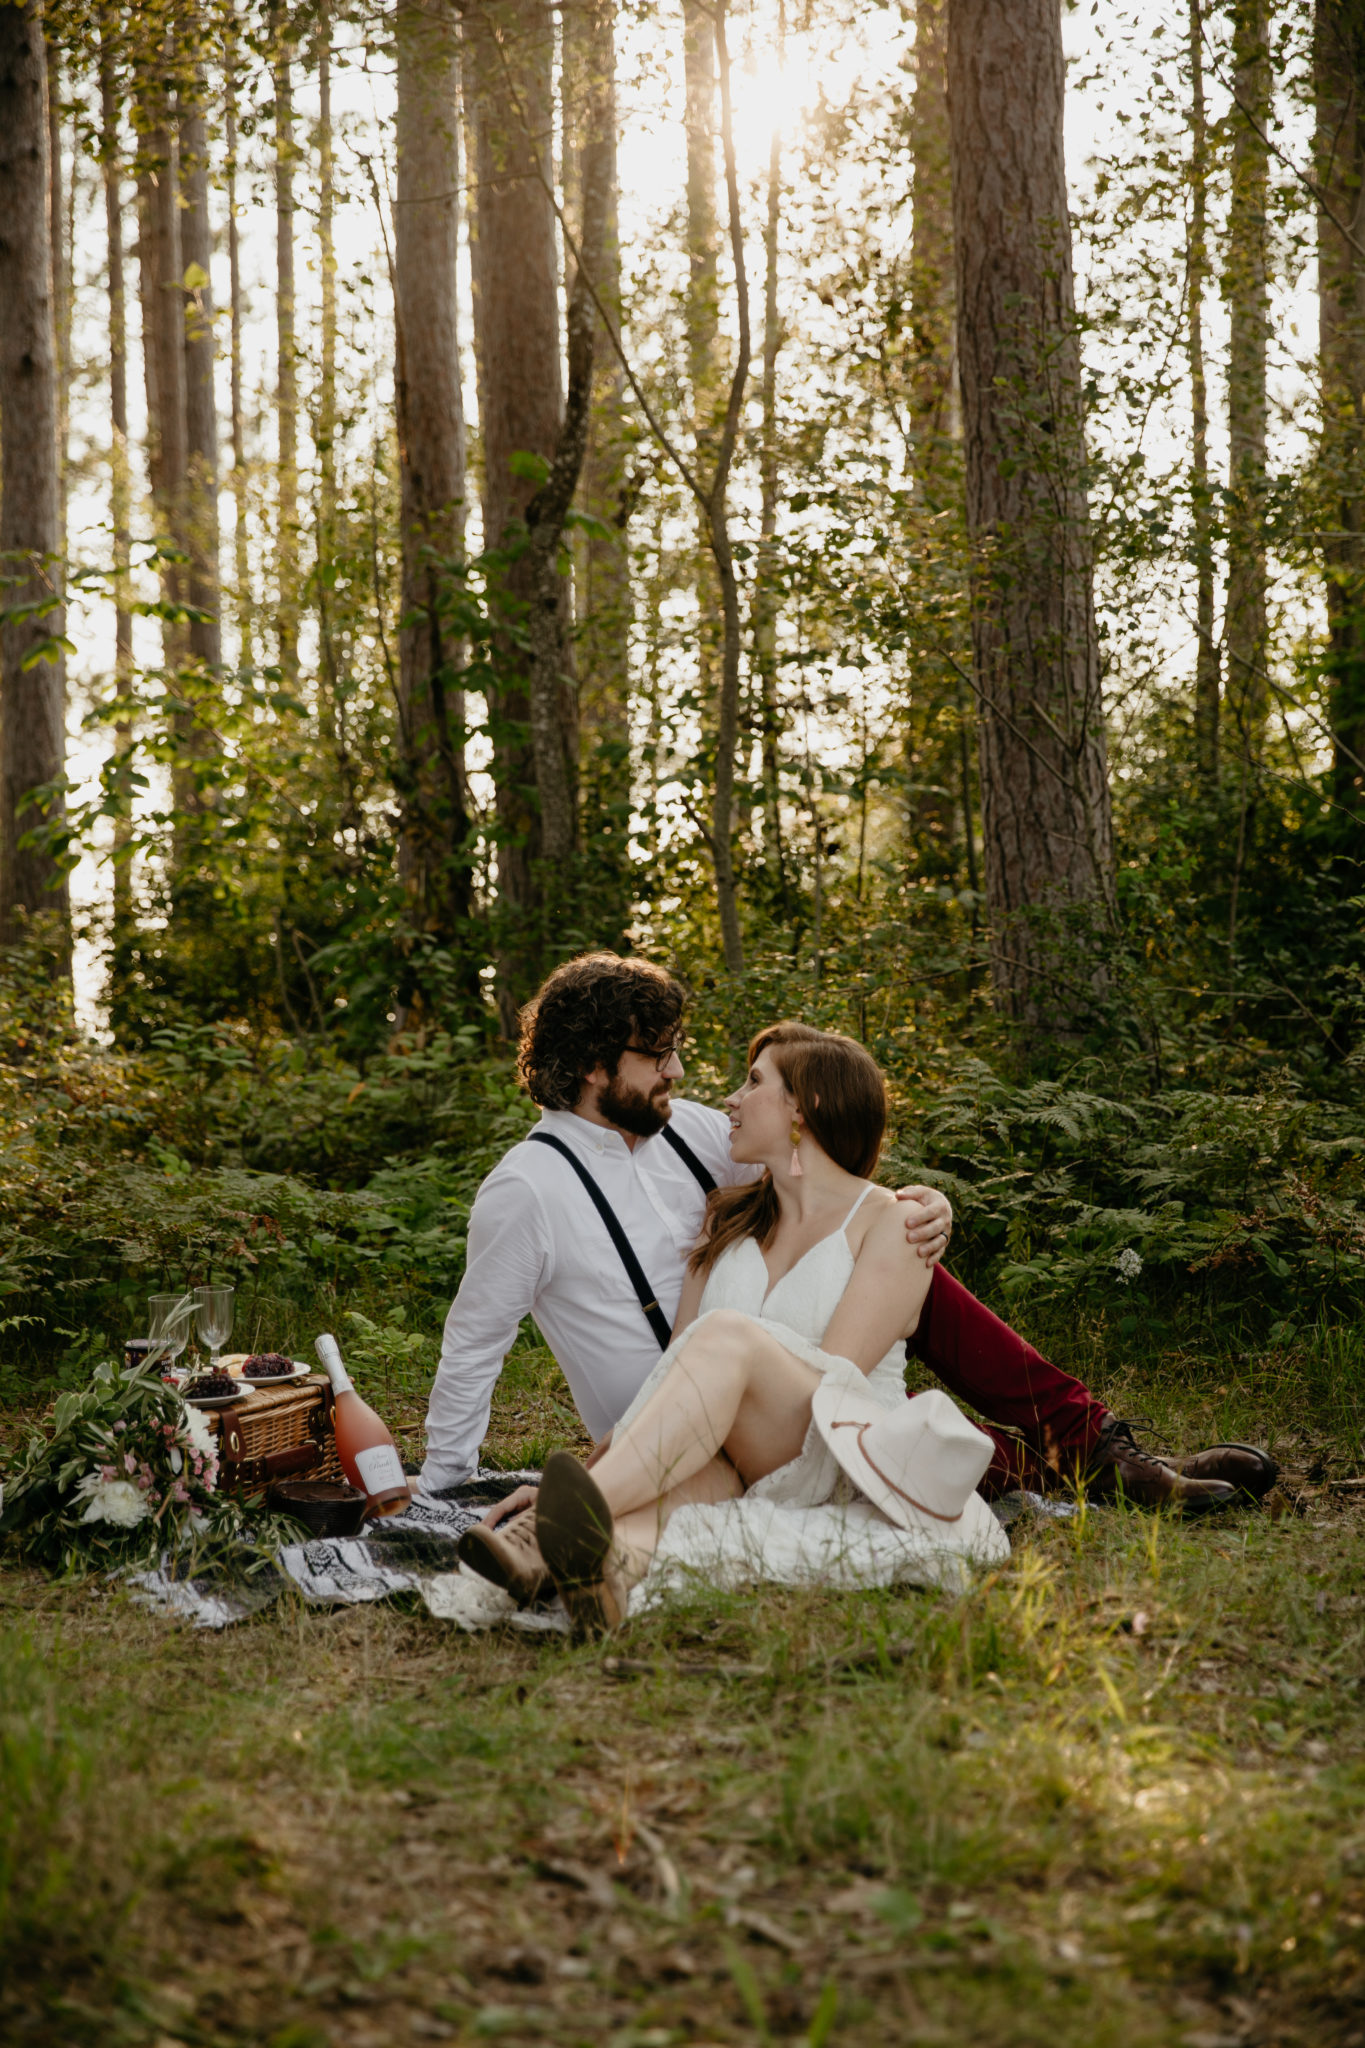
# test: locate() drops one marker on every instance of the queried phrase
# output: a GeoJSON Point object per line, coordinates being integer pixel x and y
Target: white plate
{"type": "Point", "coordinates": [218, 1400]}
{"type": "Point", "coordinates": [300, 1372]}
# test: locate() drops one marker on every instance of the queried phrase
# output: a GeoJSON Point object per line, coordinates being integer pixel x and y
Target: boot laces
{"type": "Point", "coordinates": [520, 1533]}
{"type": "Point", "coordinates": [1122, 1439]}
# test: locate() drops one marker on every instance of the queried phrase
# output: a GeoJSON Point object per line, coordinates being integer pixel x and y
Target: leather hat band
{"type": "Point", "coordinates": [862, 1429]}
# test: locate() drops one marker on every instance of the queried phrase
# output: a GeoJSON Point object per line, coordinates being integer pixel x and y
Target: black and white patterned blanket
{"type": "Point", "coordinates": [393, 1556]}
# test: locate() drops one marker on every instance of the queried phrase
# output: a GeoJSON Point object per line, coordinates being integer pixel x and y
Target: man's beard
{"type": "Point", "coordinates": [630, 1109]}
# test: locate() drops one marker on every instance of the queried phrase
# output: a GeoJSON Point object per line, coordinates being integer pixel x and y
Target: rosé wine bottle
{"type": "Point", "coordinates": [369, 1457]}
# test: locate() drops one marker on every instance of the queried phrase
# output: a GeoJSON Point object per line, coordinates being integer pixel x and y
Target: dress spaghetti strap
{"type": "Point", "coordinates": [857, 1206]}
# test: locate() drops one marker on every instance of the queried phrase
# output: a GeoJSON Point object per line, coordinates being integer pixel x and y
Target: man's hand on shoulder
{"type": "Point", "coordinates": [928, 1221]}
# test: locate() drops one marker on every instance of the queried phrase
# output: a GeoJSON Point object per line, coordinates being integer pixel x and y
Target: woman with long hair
{"type": "Point", "coordinates": [801, 1285]}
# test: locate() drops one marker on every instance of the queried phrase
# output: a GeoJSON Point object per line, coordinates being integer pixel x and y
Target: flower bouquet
{"type": "Point", "coordinates": [125, 1474]}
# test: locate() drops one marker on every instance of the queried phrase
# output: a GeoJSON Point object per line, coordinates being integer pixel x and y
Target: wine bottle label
{"type": "Point", "coordinates": [380, 1468]}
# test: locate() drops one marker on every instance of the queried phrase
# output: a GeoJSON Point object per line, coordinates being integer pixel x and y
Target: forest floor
{"type": "Point", "coordinates": [1116, 1795]}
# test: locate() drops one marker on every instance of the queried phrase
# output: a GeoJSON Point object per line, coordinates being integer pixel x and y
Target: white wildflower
{"type": "Point", "coordinates": [112, 1500]}
{"type": "Point", "coordinates": [201, 1437]}
{"type": "Point", "coordinates": [1127, 1264]}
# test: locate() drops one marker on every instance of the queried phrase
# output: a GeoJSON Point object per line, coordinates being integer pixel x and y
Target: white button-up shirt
{"type": "Point", "coordinates": [538, 1247]}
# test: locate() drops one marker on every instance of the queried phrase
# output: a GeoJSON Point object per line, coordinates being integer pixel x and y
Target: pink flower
{"type": "Point", "coordinates": [119, 1428]}
{"type": "Point", "coordinates": [182, 1492]}
{"type": "Point", "coordinates": [108, 1472]}
{"type": "Point", "coordinates": [129, 1462]}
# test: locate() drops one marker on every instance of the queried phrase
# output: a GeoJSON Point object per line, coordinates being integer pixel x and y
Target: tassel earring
{"type": "Point", "coordinates": [798, 1171]}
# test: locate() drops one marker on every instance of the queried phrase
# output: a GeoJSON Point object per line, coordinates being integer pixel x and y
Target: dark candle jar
{"type": "Point", "coordinates": [135, 1352]}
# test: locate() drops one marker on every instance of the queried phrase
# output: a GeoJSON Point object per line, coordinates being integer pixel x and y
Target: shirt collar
{"type": "Point", "coordinates": [588, 1137]}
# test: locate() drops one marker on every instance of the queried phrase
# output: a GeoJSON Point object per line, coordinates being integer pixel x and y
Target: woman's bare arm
{"type": "Point", "coordinates": [689, 1301]}
{"type": "Point", "coordinates": [885, 1294]}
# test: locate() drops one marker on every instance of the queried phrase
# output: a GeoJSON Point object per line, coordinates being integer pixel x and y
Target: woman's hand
{"type": "Point", "coordinates": [928, 1221]}
{"type": "Point", "coordinates": [502, 1510]}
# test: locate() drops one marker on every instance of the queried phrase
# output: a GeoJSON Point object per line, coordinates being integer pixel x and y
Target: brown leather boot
{"type": "Point", "coordinates": [574, 1528]}
{"type": "Point", "coordinates": [1121, 1469]}
{"type": "Point", "coordinates": [509, 1556]}
{"type": "Point", "coordinates": [1252, 1471]}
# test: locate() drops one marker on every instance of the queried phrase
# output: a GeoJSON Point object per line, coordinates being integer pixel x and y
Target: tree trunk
{"type": "Point", "coordinates": [201, 407]}
{"type": "Point", "coordinates": [331, 714]}
{"type": "Point", "coordinates": [287, 375]}
{"type": "Point", "coordinates": [120, 499]}
{"type": "Point", "coordinates": [163, 300]}
{"type": "Point", "coordinates": [702, 314]}
{"type": "Point", "coordinates": [431, 446]}
{"type": "Point", "coordinates": [554, 722]}
{"type": "Point", "coordinates": [1206, 674]}
{"type": "Point", "coordinates": [61, 274]}
{"type": "Point", "coordinates": [1339, 68]}
{"type": "Point", "coordinates": [1245, 288]}
{"type": "Point", "coordinates": [32, 697]}
{"type": "Point", "coordinates": [243, 608]}
{"type": "Point", "coordinates": [510, 47]}
{"type": "Point", "coordinates": [934, 751]}
{"type": "Point", "coordinates": [763, 604]}
{"type": "Point", "coordinates": [1044, 789]}
{"type": "Point", "coordinates": [935, 424]}
{"type": "Point", "coordinates": [718, 517]}
{"type": "Point", "coordinates": [602, 561]}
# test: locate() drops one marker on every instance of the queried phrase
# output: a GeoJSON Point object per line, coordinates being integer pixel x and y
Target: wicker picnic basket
{"type": "Point", "coordinates": [281, 1433]}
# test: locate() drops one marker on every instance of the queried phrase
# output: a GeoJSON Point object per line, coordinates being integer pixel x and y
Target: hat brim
{"type": "Point", "coordinates": [837, 1410]}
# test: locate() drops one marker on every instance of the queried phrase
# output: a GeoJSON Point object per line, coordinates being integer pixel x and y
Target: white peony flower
{"type": "Point", "coordinates": [112, 1500]}
{"type": "Point", "coordinates": [1128, 1264]}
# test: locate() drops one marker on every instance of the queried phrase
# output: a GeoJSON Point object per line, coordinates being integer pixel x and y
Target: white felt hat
{"type": "Point", "coordinates": [919, 1462]}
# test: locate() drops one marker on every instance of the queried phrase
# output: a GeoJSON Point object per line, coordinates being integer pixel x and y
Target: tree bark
{"type": "Point", "coordinates": [554, 725]}
{"type": "Point", "coordinates": [163, 300]}
{"type": "Point", "coordinates": [1207, 686]}
{"type": "Point", "coordinates": [1245, 288]}
{"type": "Point", "coordinates": [201, 405]}
{"type": "Point", "coordinates": [1339, 71]}
{"type": "Point", "coordinates": [61, 273]}
{"type": "Point", "coordinates": [331, 715]}
{"type": "Point", "coordinates": [120, 494]}
{"type": "Point", "coordinates": [243, 608]}
{"type": "Point", "coordinates": [602, 561]}
{"type": "Point", "coordinates": [702, 314]}
{"type": "Point", "coordinates": [935, 423]}
{"type": "Point", "coordinates": [1044, 789]}
{"type": "Point", "coordinates": [32, 698]}
{"type": "Point", "coordinates": [727, 720]}
{"type": "Point", "coordinates": [287, 373]}
{"type": "Point", "coordinates": [934, 751]}
{"type": "Point", "coordinates": [509, 46]}
{"type": "Point", "coordinates": [763, 607]}
{"type": "Point", "coordinates": [431, 442]}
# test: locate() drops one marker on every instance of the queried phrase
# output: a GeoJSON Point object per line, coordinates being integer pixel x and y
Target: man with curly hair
{"type": "Point", "coordinates": [586, 1225]}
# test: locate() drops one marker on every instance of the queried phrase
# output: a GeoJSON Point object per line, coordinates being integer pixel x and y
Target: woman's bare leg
{"type": "Point", "coordinates": [637, 1534]}
{"type": "Point", "coordinates": [734, 1386]}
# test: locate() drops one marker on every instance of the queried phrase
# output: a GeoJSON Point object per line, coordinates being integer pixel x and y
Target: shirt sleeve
{"type": "Point", "coordinates": [507, 1263]}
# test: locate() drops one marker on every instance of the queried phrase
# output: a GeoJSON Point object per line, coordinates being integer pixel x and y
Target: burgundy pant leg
{"type": "Point", "coordinates": [1046, 1422]}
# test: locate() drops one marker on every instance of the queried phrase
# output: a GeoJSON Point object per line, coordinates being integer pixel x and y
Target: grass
{"type": "Point", "coordinates": [1114, 1796]}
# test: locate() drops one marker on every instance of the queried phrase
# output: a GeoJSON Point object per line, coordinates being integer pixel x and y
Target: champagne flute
{"type": "Point", "coordinates": [213, 1315]}
{"type": "Point", "coordinates": [171, 1315]}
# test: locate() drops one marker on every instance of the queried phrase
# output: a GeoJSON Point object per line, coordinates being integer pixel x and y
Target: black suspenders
{"type": "Point", "coordinates": [689, 1159]}
{"type": "Point", "coordinates": [648, 1300]}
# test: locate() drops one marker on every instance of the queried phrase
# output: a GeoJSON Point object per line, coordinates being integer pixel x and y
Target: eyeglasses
{"type": "Point", "coordinates": [660, 1055]}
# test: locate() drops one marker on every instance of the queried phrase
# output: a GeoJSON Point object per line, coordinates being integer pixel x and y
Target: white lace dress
{"type": "Point", "coordinates": [796, 1310]}
{"type": "Point", "coordinates": [805, 1523]}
